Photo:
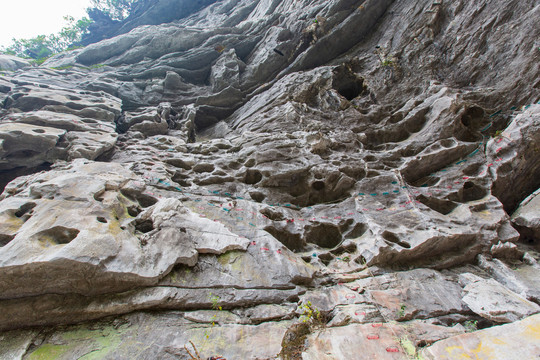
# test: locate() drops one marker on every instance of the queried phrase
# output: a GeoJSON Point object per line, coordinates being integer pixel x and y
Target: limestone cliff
{"type": "Point", "coordinates": [296, 179]}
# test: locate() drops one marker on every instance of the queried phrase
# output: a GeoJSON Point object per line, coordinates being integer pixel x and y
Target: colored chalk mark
{"type": "Point", "coordinates": [386, 193]}
{"type": "Point", "coordinates": [495, 114]}
{"type": "Point", "coordinates": [394, 182]}
{"type": "Point", "coordinates": [374, 194]}
{"type": "Point", "coordinates": [361, 194]}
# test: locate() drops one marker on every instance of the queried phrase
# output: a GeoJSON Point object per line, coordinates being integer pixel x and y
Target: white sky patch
{"type": "Point", "coordinates": [24, 19]}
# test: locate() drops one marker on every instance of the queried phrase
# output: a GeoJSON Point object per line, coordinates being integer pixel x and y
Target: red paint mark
{"type": "Point", "coordinates": [337, 217]}
{"type": "Point", "coordinates": [373, 337]}
{"type": "Point", "coordinates": [265, 249]}
{"type": "Point", "coordinates": [457, 182]}
{"type": "Point", "coordinates": [490, 164]}
{"type": "Point", "coordinates": [253, 243]}
{"type": "Point", "coordinates": [290, 220]}
{"type": "Point", "coordinates": [350, 213]}
{"type": "Point", "coordinates": [448, 187]}
{"type": "Point", "coordinates": [354, 288]}
{"type": "Point", "coordinates": [300, 219]}
{"type": "Point", "coordinates": [499, 149]}
{"type": "Point", "coordinates": [392, 349]}
{"type": "Point", "coordinates": [278, 251]}
{"type": "Point", "coordinates": [324, 217]}
{"type": "Point", "coordinates": [340, 283]}
{"type": "Point", "coordinates": [364, 209]}
{"type": "Point", "coordinates": [465, 178]}
{"type": "Point", "coordinates": [349, 296]}
{"type": "Point", "coordinates": [498, 159]}
{"type": "Point", "coordinates": [380, 209]}
{"type": "Point", "coordinates": [376, 325]}
{"type": "Point", "coordinates": [499, 140]}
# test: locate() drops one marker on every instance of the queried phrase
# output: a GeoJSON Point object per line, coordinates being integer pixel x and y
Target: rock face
{"type": "Point", "coordinates": [276, 179]}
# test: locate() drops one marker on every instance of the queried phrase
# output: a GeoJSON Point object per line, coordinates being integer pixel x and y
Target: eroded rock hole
{"type": "Point", "coordinates": [347, 84]}
{"type": "Point", "coordinates": [441, 206]}
{"type": "Point", "coordinates": [101, 219]}
{"type": "Point", "coordinates": [257, 196]}
{"type": "Point", "coordinates": [57, 235]}
{"type": "Point", "coordinates": [392, 238]}
{"type": "Point", "coordinates": [471, 192]}
{"type": "Point", "coordinates": [6, 176]}
{"type": "Point", "coordinates": [5, 239]}
{"type": "Point", "coordinates": [144, 226]}
{"type": "Point", "coordinates": [318, 185]}
{"type": "Point", "coordinates": [325, 235]}
{"type": "Point", "coordinates": [291, 241]}
{"type": "Point", "coordinates": [272, 215]}
{"type": "Point", "coordinates": [252, 177]}
{"type": "Point", "coordinates": [358, 230]}
{"type": "Point", "coordinates": [24, 209]}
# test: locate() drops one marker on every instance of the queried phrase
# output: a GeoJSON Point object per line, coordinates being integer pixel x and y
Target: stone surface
{"type": "Point", "coordinates": [493, 301]}
{"type": "Point", "coordinates": [12, 63]}
{"type": "Point", "coordinates": [527, 217]}
{"type": "Point", "coordinates": [225, 172]}
{"type": "Point", "coordinates": [514, 341]}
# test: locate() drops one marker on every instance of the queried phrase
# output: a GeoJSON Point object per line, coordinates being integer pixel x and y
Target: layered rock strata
{"type": "Point", "coordinates": [277, 179]}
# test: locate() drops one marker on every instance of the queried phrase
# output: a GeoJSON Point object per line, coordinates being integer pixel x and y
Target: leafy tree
{"type": "Point", "coordinates": [114, 9]}
{"type": "Point", "coordinates": [43, 46]}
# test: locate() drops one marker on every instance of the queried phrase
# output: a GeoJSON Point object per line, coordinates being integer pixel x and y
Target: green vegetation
{"type": "Point", "coordinates": [409, 348]}
{"type": "Point", "coordinates": [41, 47]}
{"type": "Point", "coordinates": [401, 311]}
{"type": "Point", "coordinates": [470, 325]}
{"type": "Point", "coordinates": [114, 9]}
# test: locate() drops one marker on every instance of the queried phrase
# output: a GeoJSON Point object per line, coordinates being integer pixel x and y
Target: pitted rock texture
{"type": "Point", "coordinates": [275, 179]}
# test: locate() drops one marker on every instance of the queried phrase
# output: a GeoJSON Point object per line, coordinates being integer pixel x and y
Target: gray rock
{"type": "Point", "coordinates": [527, 217]}
{"type": "Point", "coordinates": [481, 343]}
{"type": "Point", "coordinates": [12, 63]}
{"type": "Point", "coordinates": [491, 300]}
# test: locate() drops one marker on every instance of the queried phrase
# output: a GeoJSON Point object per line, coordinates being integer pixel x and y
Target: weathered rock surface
{"type": "Point", "coordinates": [259, 177]}
{"type": "Point", "coordinates": [512, 341]}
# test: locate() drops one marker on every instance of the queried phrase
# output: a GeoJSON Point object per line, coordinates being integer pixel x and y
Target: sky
{"type": "Point", "coordinates": [29, 18]}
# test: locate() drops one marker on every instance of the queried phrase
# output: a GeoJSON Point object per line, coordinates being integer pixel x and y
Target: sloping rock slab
{"type": "Point", "coordinates": [516, 341]}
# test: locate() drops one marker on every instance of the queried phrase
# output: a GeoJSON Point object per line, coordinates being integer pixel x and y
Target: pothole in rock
{"type": "Point", "coordinates": [25, 211]}
{"type": "Point", "coordinates": [257, 196]}
{"type": "Point", "coordinates": [252, 177]}
{"type": "Point", "coordinates": [144, 226]}
{"type": "Point", "coordinates": [441, 206]}
{"type": "Point", "coordinates": [6, 176]}
{"type": "Point", "coordinates": [470, 122]}
{"type": "Point", "coordinates": [357, 231]}
{"type": "Point", "coordinates": [347, 84]}
{"type": "Point", "coordinates": [290, 240]}
{"type": "Point", "coordinates": [5, 239]}
{"type": "Point", "coordinates": [469, 192]}
{"type": "Point", "coordinates": [392, 238]}
{"type": "Point", "coordinates": [58, 235]}
{"type": "Point", "coordinates": [324, 235]}
{"type": "Point", "coordinates": [272, 215]}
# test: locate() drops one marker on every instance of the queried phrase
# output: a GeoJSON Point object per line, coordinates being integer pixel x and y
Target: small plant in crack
{"type": "Point", "coordinates": [401, 312]}
{"type": "Point", "coordinates": [470, 325]}
{"type": "Point", "coordinates": [310, 315]}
